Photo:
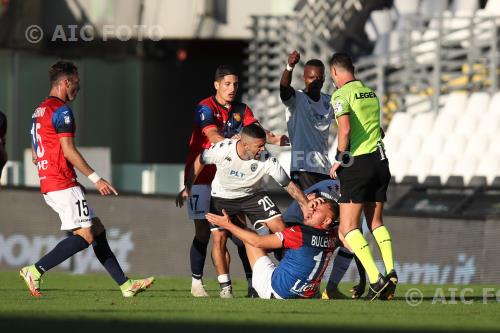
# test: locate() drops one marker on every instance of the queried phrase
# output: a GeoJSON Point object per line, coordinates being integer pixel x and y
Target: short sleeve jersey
{"type": "Point", "coordinates": [237, 178]}
{"type": "Point", "coordinates": [362, 105]}
{"type": "Point", "coordinates": [211, 114]}
{"type": "Point", "coordinates": [308, 251]}
{"type": "Point", "coordinates": [52, 120]}
{"type": "Point", "coordinates": [308, 124]}
{"type": "Point", "coordinates": [329, 189]}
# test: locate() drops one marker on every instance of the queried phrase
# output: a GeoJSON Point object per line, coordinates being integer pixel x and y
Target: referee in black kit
{"type": "Point", "coordinates": [363, 171]}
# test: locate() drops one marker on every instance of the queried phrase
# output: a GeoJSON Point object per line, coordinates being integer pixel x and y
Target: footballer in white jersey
{"type": "Point", "coordinates": [238, 183]}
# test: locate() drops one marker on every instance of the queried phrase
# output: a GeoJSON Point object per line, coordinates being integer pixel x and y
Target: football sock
{"type": "Point", "coordinates": [246, 264]}
{"type": "Point", "coordinates": [62, 251]}
{"type": "Point", "coordinates": [361, 249]}
{"type": "Point", "coordinates": [224, 280]}
{"type": "Point", "coordinates": [340, 266]}
{"type": "Point", "coordinates": [197, 255]}
{"type": "Point", "coordinates": [384, 241]}
{"type": "Point", "coordinates": [107, 258]}
{"type": "Point", "coordinates": [361, 271]}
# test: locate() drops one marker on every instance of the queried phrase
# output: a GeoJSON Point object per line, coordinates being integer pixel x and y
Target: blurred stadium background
{"type": "Point", "coordinates": [433, 63]}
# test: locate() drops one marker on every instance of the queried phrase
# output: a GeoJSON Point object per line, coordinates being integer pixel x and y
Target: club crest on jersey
{"type": "Point", "coordinates": [253, 167]}
{"type": "Point", "coordinates": [338, 107]}
{"type": "Point", "coordinates": [237, 117]}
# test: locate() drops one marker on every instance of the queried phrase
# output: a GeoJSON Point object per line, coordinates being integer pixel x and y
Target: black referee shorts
{"type": "Point", "coordinates": [258, 207]}
{"type": "Point", "coordinates": [306, 179]}
{"type": "Point", "coordinates": [366, 180]}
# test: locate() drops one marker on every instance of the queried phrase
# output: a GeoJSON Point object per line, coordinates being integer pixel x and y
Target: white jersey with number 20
{"type": "Point", "coordinates": [237, 178]}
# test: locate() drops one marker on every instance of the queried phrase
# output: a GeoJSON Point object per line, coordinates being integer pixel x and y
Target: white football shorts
{"type": "Point", "coordinates": [261, 278]}
{"type": "Point", "coordinates": [198, 204]}
{"type": "Point", "coordinates": [72, 208]}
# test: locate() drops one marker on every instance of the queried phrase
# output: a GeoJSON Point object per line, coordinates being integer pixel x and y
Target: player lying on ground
{"type": "Point", "coordinates": [330, 189]}
{"type": "Point", "coordinates": [237, 186]}
{"type": "Point", "coordinates": [55, 154]}
{"type": "Point", "coordinates": [309, 248]}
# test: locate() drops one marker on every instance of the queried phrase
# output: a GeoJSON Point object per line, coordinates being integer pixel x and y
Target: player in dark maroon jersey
{"type": "Point", "coordinates": [216, 118]}
{"type": "Point", "coordinates": [56, 156]}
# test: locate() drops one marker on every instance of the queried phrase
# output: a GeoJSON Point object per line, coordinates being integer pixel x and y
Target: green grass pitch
{"type": "Point", "coordinates": [92, 303]}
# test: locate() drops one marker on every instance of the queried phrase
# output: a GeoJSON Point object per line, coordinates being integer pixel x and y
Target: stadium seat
{"type": "Point", "coordinates": [484, 25]}
{"type": "Point", "coordinates": [478, 181]}
{"type": "Point", "coordinates": [391, 145]}
{"type": "Point", "coordinates": [494, 107]}
{"type": "Point", "coordinates": [477, 144]}
{"type": "Point", "coordinates": [496, 182]}
{"type": "Point", "coordinates": [409, 180]}
{"type": "Point", "coordinates": [422, 123]}
{"type": "Point", "coordinates": [464, 6]}
{"type": "Point", "coordinates": [455, 145]}
{"type": "Point", "coordinates": [488, 166]}
{"type": "Point", "coordinates": [409, 144]}
{"type": "Point", "coordinates": [465, 166]}
{"type": "Point", "coordinates": [455, 103]}
{"type": "Point", "coordinates": [379, 24]}
{"type": "Point", "coordinates": [433, 7]}
{"type": "Point", "coordinates": [406, 7]}
{"type": "Point", "coordinates": [432, 143]}
{"type": "Point", "coordinates": [488, 124]}
{"type": "Point", "coordinates": [478, 103]}
{"type": "Point", "coordinates": [416, 104]}
{"type": "Point", "coordinates": [494, 146]}
{"type": "Point", "coordinates": [442, 166]}
{"type": "Point", "coordinates": [432, 181]}
{"type": "Point", "coordinates": [455, 181]}
{"type": "Point", "coordinates": [400, 124]}
{"type": "Point", "coordinates": [456, 28]}
{"type": "Point", "coordinates": [444, 124]}
{"type": "Point", "coordinates": [420, 166]}
{"type": "Point", "coordinates": [493, 7]}
{"type": "Point", "coordinates": [466, 125]}
{"type": "Point", "coordinates": [399, 166]}
{"type": "Point", "coordinates": [425, 47]}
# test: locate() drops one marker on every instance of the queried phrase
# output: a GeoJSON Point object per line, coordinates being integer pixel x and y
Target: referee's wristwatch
{"type": "Point", "coordinates": [343, 157]}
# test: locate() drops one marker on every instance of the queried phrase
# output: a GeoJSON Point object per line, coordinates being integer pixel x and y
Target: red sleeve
{"type": "Point", "coordinates": [204, 129]}
{"type": "Point", "coordinates": [248, 117]}
{"type": "Point", "coordinates": [62, 135]}
{"type": "Point", "coordinates": [292, 237]}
